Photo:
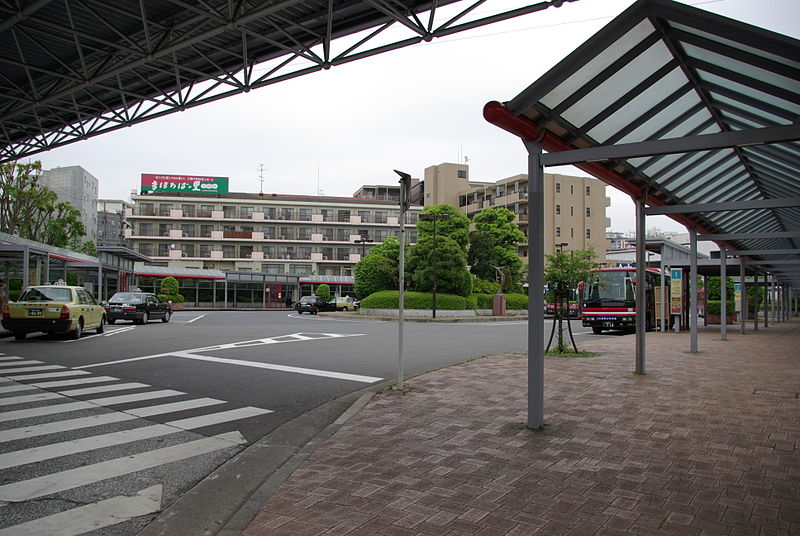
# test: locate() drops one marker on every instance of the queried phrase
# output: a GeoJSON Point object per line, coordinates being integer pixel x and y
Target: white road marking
{"type": "Point", "coordinates": [174, 407]}
{"type": "Point", "coordinates": [195, 318]}
{"type": "Point", "coordinates": [92, 516]}
{"type": "Point", "coordinates": [78, 381]}
{"type": "Point", "coordinates": [8, 357]}
{"type": "Point", "coordinates": [217, 418]}
{"type": "Point", "coordinates": [118, 331]}
{"type": "Point", "coordinates": [24, 399]}
{"type": "Point", "coordinates": [46, 375]}
{"type": "Point", "coordinates": [64, 426]}
{"type": "Point", "coordinates": [281, 368]}
{"type": "Point", "coordinates": [20, 362]}
{"type": "Point", "coordinates": [103, 389]}
{"type": "Point", "coordinates": [98, 472]}
{"type": "Point", "coordinates": [46, 410]}
{"type": "Point", "coordinates": [20, 370]}
{"type": "Point", "coordinates": [18, 387]}
{"type": "Point", "coordinates": [137, 397]}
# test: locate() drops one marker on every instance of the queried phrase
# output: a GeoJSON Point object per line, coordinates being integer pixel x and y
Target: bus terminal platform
{"type": "Point", "coordinates": [703, 444]}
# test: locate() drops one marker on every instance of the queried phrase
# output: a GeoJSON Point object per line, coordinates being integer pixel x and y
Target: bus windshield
{"type": "Point", "coordinates": [611, 285]}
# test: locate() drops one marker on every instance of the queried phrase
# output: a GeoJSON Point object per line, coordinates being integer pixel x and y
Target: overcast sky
{"type": "Point", "coordinates": [336, 130]}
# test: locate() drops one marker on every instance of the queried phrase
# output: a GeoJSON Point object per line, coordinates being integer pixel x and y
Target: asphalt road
{"type": "Point", "coordinates": [131, 419]}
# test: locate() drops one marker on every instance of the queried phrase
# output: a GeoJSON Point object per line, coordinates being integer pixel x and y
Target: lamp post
{"type": "Point", "coordinates": [434, 217]}
{"type": "Point", "coordinates": [363, 241]}
{"type": "Point", "coordinates": [561, 245]}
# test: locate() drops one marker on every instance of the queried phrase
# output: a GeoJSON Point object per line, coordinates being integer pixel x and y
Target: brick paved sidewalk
{"type": "Point", "coordinates": [704, 444]}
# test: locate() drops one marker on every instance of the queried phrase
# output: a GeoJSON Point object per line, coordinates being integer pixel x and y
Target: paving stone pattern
{"type": "Point", "coordinates": [703, 444]}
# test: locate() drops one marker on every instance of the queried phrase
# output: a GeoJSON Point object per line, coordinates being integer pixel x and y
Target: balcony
{"type": "Point", "coordinates": [242, 235]}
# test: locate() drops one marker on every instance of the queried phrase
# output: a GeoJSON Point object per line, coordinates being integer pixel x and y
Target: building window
{"type": "Point", "coordinates": [287, 213]}
{"type": "Point", "coordinates": [205, 211]}
{"type": "Point", "coordinates": [558, 231]}
{"type": "Point", "coordinates": [228, 212]}
{"type": "Point", "coordinates": [558, 209]}
{"type": "Point", "coordinates": [571, 211]}
{"type": "Point", "coordinates": [228, 252]}
{"type": "Point", "coordinates": [588, 190]}
{"type": "Point", "coordinates": [187, 250]}
{"type": "Point", "coordinates": [304, 214]}
{"type": "Point", "coordinates": [272, 268]}
{"type": "Point", "coordinates": [380, 216]}
{"type": "Point", "coordinates": [588, 233]}
{"type": "Point", "coordinates": [572, 232]}
{"type": "Point", "coordinates": [588, 212]}
{"type": "Point", "coordinates": [572, 189]}
{"type": "Point", "coordinates": [269, 213]}
{"type": "Point", "coordinates": [187, 230]}
{"type": "Point", "coordinates": [163, 209]}
{"type": "Point", "coordinates": [205, 251]}
{"type": "Point", "coordinates": [299, 269]}
{"type": "Point", "coordinates": [205, 231]}
{"type": "Point", "coordinates": [188, 211]}
{"type": "Point", "coordinates": [462, 173]}
{"type": "Point", "coordinates": [558, 187]}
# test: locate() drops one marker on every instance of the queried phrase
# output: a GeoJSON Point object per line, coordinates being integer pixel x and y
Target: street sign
{"type": "Point", "coordinates": [676, 291]}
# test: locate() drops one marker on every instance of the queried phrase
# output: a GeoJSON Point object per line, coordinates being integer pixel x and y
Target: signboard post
{"type": "Point", "coordinates": [183, 183]}
{"type": "Point", "coordinates": [676, 295]}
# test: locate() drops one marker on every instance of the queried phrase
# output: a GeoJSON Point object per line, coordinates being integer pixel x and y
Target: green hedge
{"type": "Point", "coordinates": [388, 299]}
{"type": "Point", "coordinates": [715, 307]}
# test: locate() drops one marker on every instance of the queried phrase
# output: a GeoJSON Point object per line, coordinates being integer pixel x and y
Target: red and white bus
{"type": "Point", "coordinates": [609, 299]}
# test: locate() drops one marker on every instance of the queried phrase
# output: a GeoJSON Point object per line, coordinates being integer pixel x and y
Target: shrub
{"type": "Point", "coordinates": [169, 290]}
{"type": "Point", "coordinates": [483, 301]}
{"type": "Point", "coordinates": [516, 301]}
{"type": "Point", "coordinates": [389, 299]}
{"type": "Point", "coordinates": [482, 286]}
{"type": "Point", "coordinates": [324, 292]}
{"type": "Point", "coordinates": [715, 307]}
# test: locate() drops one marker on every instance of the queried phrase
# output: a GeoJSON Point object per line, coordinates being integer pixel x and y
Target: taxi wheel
{"type": "Point", "coordinates": [20, 335]}
{"type": "Point", "coordinates": [76, 333]}
{"type": "Point", "coordinates": [102, 327]}
{"type": "Point", "coordinates": [112, 321]}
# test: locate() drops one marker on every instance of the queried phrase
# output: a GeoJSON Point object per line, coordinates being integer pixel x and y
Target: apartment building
{"type": "Point", "coordinates": [270, 233]}
{"type": "Point", "coordinates": [575, 207]}
{"type": "Point", "coordinates": [79, 187]}
{"type": "Point", "coordinates": [111, 221]}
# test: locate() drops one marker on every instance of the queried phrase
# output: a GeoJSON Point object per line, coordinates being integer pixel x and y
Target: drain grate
{"type": "Point", "coordinates": [779, 394]}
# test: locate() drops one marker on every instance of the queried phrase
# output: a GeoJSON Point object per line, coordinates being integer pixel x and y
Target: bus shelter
{"type": "Point", "coordinates": [693, 115]}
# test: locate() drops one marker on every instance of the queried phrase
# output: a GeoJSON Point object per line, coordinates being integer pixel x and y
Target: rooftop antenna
{"type": "Point", "coordinates": [319, 190]}
{"type": "Point", "coordinates": [261, 179]}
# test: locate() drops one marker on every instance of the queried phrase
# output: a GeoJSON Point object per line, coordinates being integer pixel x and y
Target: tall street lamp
{"type": "Point", "coordinates": [561, 245]}
{"type": "Point", "coordinates": [363, 241]}
{"type": "Point", "coordinates": [434, 217]}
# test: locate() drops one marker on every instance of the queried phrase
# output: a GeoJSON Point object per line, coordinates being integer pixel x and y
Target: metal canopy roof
{"type": "Point", "coordinates": [684, 107]}
{"type": "Point", "coordinates": [71, 70]}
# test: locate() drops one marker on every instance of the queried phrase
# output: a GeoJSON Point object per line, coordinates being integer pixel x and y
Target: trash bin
{"type": "Point", "coordinates": [498, 305]}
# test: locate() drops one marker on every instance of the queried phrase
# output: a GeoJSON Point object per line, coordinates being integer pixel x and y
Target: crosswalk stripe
{"type": "Point", "coordinates": [20, 370]}
{"type": "Point", "coordinates": [192, 423]}
{"type": "Point", "coordinates": [103, 389]}
{"type": "Point", "coordinates": [77, 381]}
{"type": "Point", "coordinates": [46, 375]}
{"type": "Point", "coordinates": [98, 472]}
{"type": "Point", "coordinates": [174, 407]}
{"type": "Point", "coordinates": [14, 388]}
{"type": "Point", "coordinates": [24, 399]}
{"type": "Point", "coordinates": [9, 358]}
{"type": "Point", "coordinates": [93, 516]}
{"type": "Point", "coordinates": [46, 410]}
{"type": "Point", "coordinates": [64, 426]}
{"type": "Point", "coordinates": [21, 362]}
{"type": "Point", "coordinates": [138, 397]}
{"type": "Point", "coordinates": [85, 444]}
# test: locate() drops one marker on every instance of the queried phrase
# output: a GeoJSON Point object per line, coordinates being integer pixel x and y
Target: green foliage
{"type": "Point", "coordinates": [564, 270]}
{"type": "Point", "coordinates": [456, 227]}
{"type": "Point", "coordinates": [483, 301]}
{"type": "Point", "coordinates": [169, 290]}
{"type": "Point", "coordinates": [471, 301]}
{"type": "Point", "coordinates": [379, 269]}
{"type": "Point", "coordinates": [450, 264]}
{"type": "Point", "coordinates": [713, 291]}
{"type": "Point", "coordinates": [482, 286]}
{"type": "Point", "coordinates": [389, 299]}
{"type": "Point", "coordinates": [516, 301]}
{"type": "Point", "coordinates": [715, 307]}
{"type": "Point", "coordinates": [324, 292]}
{"type": "Point", "coordinates": [31, 211]}
{"type": "Point", "coordinates": [494, 243]}
{"type": "Point", "coordinates": [389, 248]}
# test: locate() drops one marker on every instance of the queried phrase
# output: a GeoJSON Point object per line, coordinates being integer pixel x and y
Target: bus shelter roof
{"type": "Point", "coordinates": [681, 107]}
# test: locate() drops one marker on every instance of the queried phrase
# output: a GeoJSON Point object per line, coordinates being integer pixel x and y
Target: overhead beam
{"type": "Point", "coordinates": [773, 262]}
{"type": "Point", "coordinates": [742, 252]}
{"type": "Point", "coordinates": [724, 207]}
{"type": "Point", "coordinates": [705, 142]}
{"type": "Point", "coordinates": [750, 236]}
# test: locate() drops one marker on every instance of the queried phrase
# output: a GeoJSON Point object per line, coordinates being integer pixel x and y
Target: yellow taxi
{"type": "Point", "coordinates": [54, 309]}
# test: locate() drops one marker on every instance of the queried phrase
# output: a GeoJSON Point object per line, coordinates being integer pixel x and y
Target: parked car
{"type": "Point", "coordinates": [54, 309]}
{"type": "Point", "coordinates": [313, 304]}
{"type": "Point", "coordinates": [140, 307]}
{"type": "Point", "coordinates": [345, 303]}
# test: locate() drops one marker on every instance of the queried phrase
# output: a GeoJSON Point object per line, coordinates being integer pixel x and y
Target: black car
{"type": "Point", "coordinates": [313, 304]}
{"type": "Point", "coordinates": [140, 307]}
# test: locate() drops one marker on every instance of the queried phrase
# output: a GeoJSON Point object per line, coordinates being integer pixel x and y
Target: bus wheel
{"type": "Point", "coordinates": [597, 330]}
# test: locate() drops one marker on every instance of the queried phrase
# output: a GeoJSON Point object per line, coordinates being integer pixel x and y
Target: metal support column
{"type": "Point", "coordinates": [664, 292]}
{"type": "Point", "coordinates": [743, 305]}
{"type": "Point", "coordinates": [755, 302]}
{"type": "Point", "coordinates": [641, 285]}
{"type": "Point", "coordinates": [535, 286]}
{"type": "Point", "coordinates": [772, 298]}
{"type": "Point", "coordinates": [692, 290]}
{"type": "Point", "coordinates": [705, 300]}
{"type": "Point", "coordinates": [26, 268]}
{"type": "Point", "coordinates": [766, 300]}
{"type": "Point", "coordinates": [723, 294]}
{"type": "Point", "coordinates": [47, 268]}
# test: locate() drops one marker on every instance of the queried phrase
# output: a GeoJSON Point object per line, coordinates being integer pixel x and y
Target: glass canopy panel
{"type": "Point", "coordinates": [639, 105]}
{"type": "Point", "coordinates": [600, 62]}
{"type": "Point", "coordinates": [770, 119]}
{"type": "Point", "coordinates": [686, 167]}
{"type": "Point", "coordinates": [737, 122]}
{"type": "Point", "coordinates": [689, 125]}
{"type": "Point", "coordinates": [740, 46]}
{"type": "Point", "coordinates": [753, 95]}
{"type": "Point", "coordinates": [700, 195]}
{"type": "Point", "coordinates": [705, 165]}
{"type": "Point", "coordinates": [662, 118]}
{"type": "Point", "coordinates": [737, 191]}
{"type": "Point", "coordinates": [741, 67]}
{"type": "Point", "coordinates": [602, 96]}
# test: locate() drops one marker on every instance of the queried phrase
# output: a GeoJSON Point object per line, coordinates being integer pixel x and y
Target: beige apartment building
{"type": "Point", "coordinates": [575, 207]}
{"type": "Point", "coordinates": [271, 233]}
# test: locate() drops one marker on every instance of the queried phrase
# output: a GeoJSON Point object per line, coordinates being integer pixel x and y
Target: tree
{"type": "Point", "coordinates": [456, 227]}
{"type": "Point", "coordinates": [31, 211]}
{"type": "Point", "coordinates": [374, 273]}
{"type": "Point", "coordinates": [452, 275]}
{"type": "Point", "coordinates": [324, 292]}
{"type": "Point", "coordinates": [494, 243]}
{"type": "Point", "coordinates": [564, 271]}
{"type": "Point", "coordinates": [169, 290]}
